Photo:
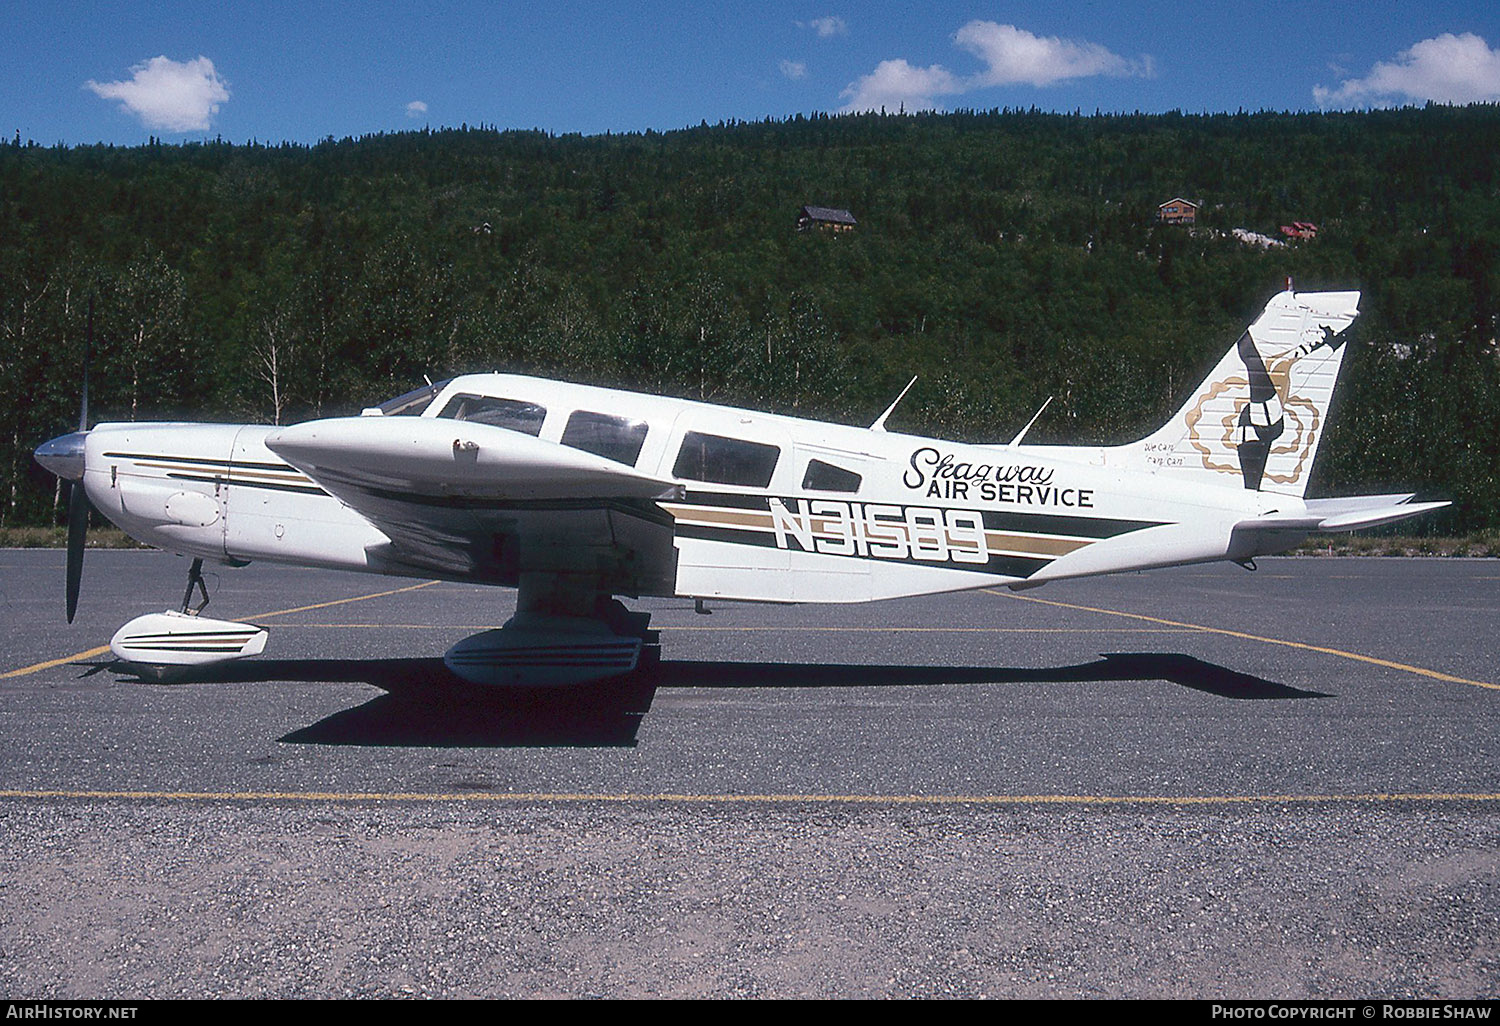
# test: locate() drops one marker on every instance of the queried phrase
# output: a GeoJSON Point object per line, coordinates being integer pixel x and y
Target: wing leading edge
{"type": "Point", "coordinates": [474, 501]}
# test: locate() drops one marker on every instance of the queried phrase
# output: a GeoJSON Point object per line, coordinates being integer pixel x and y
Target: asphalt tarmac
{"type": "Point", "coordinates": [1199, 783]}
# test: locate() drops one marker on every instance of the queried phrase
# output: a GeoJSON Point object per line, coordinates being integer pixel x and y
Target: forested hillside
{"type": "Point", "coordinates": [1002, 256]}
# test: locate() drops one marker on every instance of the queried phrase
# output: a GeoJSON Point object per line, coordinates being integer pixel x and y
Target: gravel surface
{"type": "Point", "coordinates": [208, 899]}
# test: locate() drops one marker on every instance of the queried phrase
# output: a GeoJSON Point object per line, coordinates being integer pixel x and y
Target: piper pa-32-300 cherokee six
{"type": "Point", "coordinates": [574, 495]}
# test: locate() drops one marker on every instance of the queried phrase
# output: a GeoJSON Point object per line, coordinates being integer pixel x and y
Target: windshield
{"type": "Point", "coordinates": [411, 404]}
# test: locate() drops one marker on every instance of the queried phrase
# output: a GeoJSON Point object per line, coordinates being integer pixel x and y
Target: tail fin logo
{"type": "Point", "coordinates": [1258, 425]}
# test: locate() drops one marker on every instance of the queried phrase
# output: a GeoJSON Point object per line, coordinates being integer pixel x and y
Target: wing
{"type": "Point", "coordinates": [473, 501]}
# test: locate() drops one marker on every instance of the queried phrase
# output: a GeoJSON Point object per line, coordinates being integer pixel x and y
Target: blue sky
{"type": "Point", "coordinates": [121, 72]}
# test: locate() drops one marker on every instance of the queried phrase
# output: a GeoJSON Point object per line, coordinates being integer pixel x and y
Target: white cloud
{"type": "Point", "coordinates": [825, 27]}
{"type": "Point", "coordinates": [167, 94]}
{"type": "Point", "coordinates": [416, 109]}
{"type": "Point", "coordinates": [1445, 69]}
{"type": "Point", "coordinates": [896, 85]}
{"type": "Point", "coordinates": [1013, 55]}
{"type": "Point", "coordinates": [793, 69]}
{"type": "Point", "coordinates": [1010, 56]}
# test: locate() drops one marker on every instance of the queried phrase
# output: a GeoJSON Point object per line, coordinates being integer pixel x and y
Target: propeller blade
{"type": "Point", "coordinates": [78, 525]}
{"type": "Point", "coordinates": [78, 499]}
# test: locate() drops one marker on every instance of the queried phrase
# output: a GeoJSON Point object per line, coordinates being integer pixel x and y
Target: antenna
{"type": "Point", "coordinates": [1022, 433]}
{"type": "Point", "coordinates": [879, 424]}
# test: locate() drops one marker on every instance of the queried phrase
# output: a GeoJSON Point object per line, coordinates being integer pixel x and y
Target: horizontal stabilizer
{"type": "Point", "coordinates": [1347, 514]}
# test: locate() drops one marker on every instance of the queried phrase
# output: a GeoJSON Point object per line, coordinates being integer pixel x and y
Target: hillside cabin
{"type": "Point", "coordinates": [829, 219]}
{"type": "Point", "coordinates": [1177, 211]}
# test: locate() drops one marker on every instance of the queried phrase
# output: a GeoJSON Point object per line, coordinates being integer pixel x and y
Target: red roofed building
{"type": "Point", "coordinates": [1300, 230]}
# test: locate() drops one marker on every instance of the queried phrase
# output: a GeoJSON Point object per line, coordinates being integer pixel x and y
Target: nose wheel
{"type": "Point", "coordinates": [179, 638]}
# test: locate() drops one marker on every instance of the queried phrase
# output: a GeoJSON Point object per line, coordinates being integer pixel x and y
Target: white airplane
{"type": "Point", "coordinates": [575, 494]}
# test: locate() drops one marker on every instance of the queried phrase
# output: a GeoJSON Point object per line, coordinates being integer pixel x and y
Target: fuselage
{"type": "Point", "coordinates": [762, 506]}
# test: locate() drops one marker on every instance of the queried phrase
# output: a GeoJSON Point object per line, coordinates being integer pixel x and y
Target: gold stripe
{"type": "Point", "coordinates": [288, 476]}
{"type": "Point", "coordinates": [731, 518]}
{"type": "Point", "coordinates": [270, 475]}
{"type": "Point", "coordinates": [762, 799]}
{"type": "Point", "coordinates": [1419, 671]}
{"type": "Point", "coordinates": [1027, 545]}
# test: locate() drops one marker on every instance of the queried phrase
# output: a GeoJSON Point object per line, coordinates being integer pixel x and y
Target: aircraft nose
{"type": "Point", "coordinates": [63, 455]}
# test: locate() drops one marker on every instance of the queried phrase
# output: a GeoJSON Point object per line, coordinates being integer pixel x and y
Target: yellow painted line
{"type": "Point", "coordinates": [778, 630]}
{"type": "Point", "coordinates": [34, 667]}
{"type": "Point", "coordinates": [343, 601]}
{"type": "Point", "coordinates": [756, 799]}
{"type": "Point", "coordinates": [940, 630]}
{"type": "Point", "coordinates": [1388, 664]}
{"type": "Point", "coordinates": [92, 652]}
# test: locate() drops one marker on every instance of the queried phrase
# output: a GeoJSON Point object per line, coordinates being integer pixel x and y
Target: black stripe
{"type": "Point", "coordinates": [246, 464]}
{"type": "Point", "coordinates": [733, 500]}
{"type": "Point", "coordinates": [1054, 523]}
{"type": "Point", "coordinates": [235, 482]}
{"type": "Point", "coordinates": [1070, 525]}
{"type": "Point", "coordinates": [1000, 564]}
{"type": "Point", "coordinates": [732, 535]}
{"type": "Point", "coordinates": [183, 648]}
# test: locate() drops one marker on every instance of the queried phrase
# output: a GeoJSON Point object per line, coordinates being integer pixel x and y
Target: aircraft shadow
{"type": "Point", "coordinates": [425, 705]}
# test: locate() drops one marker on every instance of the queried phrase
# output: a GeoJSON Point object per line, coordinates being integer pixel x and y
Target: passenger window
{"type": "Point", "coordinates": [615, 438]}
{"type": "Point", "coordinates": [825, 477]}
{"type": "Point", "coordinates": [731, 461]}
{"type": "Point", "coordinates": [511, 414]}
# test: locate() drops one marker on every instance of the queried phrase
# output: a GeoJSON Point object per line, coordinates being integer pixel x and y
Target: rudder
{"type": "Point", "coordinates": [1259, 417]}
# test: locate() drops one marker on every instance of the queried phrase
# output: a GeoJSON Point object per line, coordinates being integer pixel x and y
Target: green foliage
{"type": "Point", "coordinates": [1003, 256]}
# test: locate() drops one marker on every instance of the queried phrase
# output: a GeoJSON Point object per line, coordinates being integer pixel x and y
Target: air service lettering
{"type": "Point", "coordinates": [938, 475]}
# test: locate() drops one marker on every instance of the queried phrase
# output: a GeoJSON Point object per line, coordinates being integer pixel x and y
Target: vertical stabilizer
{"type": "Point", "coordinates": [1258, 419]}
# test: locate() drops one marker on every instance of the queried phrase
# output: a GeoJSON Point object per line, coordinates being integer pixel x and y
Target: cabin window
{"type": "Point", "coordinates": [615, 438]}
{"type": "Point", "coordinates": [731, 461]}
{"type": "Point", "coordinates": [825, 477]}
{"type": "Point", "coordinates": [511, 414]}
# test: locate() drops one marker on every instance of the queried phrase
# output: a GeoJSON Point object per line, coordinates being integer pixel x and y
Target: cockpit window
{"type": "Point", "coordinates": [615, 438]}
{"type": "Point", "coordinates": [825, 477]}
{"type": "Point", "coordinates": [411, 404]}
{"type": "Point", "coordinates": [731, 461]}
{"type": "Point", "coordinates": [511, 414]}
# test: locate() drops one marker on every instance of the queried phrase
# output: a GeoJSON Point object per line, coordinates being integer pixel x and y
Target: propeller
{"type": "Point", "coordinates": [78, 499]}
{"type": "Point", "coordinates": [78, 525]}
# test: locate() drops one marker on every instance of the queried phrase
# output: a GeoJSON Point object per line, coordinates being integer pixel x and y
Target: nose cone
{"type": "Point", "coordinates": [63, 455]}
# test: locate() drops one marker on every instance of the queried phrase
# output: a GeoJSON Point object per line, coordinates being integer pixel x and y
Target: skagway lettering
{"type": "Point", "coordinates": [930, 465]}
{"type": "Point", "coordinates": [939, 475]}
